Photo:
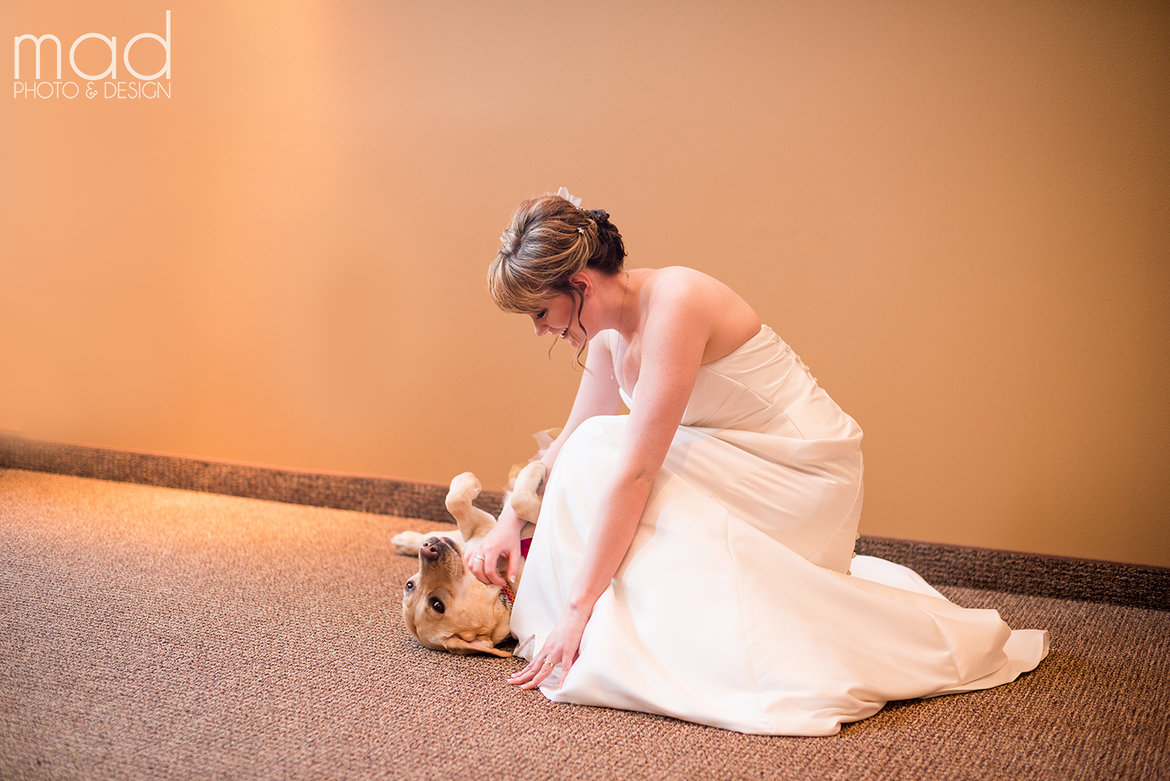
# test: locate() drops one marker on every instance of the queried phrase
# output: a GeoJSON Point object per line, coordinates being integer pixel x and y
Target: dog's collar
{"type": "Point", "coordinates": [507, 595]}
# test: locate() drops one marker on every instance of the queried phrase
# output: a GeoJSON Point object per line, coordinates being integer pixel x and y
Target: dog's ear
{"type": "Point", "coordinates": [481, 645]}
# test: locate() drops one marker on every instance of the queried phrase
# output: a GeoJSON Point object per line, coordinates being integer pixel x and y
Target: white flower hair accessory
{"type": "Point", "coordinates": [573, 199]}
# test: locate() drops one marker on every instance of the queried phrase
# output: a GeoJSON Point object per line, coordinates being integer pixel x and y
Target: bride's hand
{"type": "Point", "coordinates": [561, 647]}
{"type": "Point", "coordinates": [502, 541]}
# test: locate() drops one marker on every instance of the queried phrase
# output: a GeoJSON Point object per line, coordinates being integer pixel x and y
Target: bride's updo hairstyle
{"type": "Point", "coordinates": [548, 241]}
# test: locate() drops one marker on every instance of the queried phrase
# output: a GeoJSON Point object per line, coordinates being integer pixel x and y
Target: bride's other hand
{"type": "Point", "coordinates": [503, 541]}
{"type": "Point", "coordinates": [560, 648]}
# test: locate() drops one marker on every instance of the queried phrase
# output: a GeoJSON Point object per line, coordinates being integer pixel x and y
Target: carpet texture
{"type": "Point", "coordinates": [150, 632]}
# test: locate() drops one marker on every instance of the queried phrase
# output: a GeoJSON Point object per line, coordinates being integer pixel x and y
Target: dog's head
{"type": "Point", "coordinates": [447, 609]}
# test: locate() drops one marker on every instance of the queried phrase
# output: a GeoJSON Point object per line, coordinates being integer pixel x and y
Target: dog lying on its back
{"type": "Point", "coordinates": [444, 606]}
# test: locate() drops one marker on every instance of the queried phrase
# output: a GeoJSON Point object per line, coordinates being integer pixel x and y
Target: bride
{"type": "Point", "coordinates": [694, 557]}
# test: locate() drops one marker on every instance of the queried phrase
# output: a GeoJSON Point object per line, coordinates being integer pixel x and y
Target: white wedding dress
{"type": "Point", "coordinates": [740, 604]}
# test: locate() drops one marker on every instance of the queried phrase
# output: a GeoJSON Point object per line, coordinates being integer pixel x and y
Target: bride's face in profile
{"type": "Point", "coordinates": [558, 316]}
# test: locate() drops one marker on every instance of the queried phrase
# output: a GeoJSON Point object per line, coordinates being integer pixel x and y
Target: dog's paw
{"type": "Point", "coordinates": [464, 488]}
{"type": "Point", "coordinates": [408, 543]}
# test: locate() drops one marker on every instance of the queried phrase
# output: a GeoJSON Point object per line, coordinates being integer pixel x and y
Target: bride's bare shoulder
{"type": "Point", "coordinates": [686, 281]}
{"type": "Point", "coordinates": [687, 294]}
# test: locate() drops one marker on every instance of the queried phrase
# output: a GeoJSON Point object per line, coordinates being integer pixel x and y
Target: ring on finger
{"type": "Point", "coordinates": [549, 663]}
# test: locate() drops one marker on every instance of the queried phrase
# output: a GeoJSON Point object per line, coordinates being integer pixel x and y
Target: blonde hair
{"type": "Point", "coordinates": [549, 241]}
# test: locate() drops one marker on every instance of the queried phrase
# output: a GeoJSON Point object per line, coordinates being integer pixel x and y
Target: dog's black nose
{"type": "Point", "coordinates": [430, 548]}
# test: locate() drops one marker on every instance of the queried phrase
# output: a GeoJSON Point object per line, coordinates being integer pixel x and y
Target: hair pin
{"type": "Point", "coordinates": [564, 193]}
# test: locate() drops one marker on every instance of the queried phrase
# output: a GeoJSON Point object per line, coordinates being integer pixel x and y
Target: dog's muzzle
{"type": "Point", "coordinates": [433, 548]}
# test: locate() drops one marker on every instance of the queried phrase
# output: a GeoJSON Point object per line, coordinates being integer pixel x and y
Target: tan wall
{"type": "Point", "coordinates": [956, 212]}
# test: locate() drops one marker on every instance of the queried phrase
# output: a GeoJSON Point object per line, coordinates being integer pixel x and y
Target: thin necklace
{"type": "Point", "coordinates": [621, 323]}
{"type": "Point", "coordinates": [622, 314]}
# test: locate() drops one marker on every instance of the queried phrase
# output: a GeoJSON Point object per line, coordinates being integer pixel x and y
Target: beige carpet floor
{"type": "Point", "coordinates": [149, 632]}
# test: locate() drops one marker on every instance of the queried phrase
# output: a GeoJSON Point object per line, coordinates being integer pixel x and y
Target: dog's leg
{"type": "Point", "coordinates": [473, 522]}
{"type": "Point", "coordinates": [408, 543]}
{"type": "Point", "coordinates": [525, 499]}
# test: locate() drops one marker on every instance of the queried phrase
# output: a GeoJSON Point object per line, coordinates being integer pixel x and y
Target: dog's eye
{"type": "Point", "coordinates": [437, 605]}
{"type": "Point", "coordinates": [409, 585]}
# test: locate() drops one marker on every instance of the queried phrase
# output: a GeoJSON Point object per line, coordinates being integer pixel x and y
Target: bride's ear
{"type": "Point", "coordinates": [583, 282]}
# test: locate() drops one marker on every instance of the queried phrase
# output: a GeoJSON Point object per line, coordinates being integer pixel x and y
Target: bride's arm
{"type": "Point", "coordinates": [674, 338]}
{"type": "Point", "coordinates": [597, 394]}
